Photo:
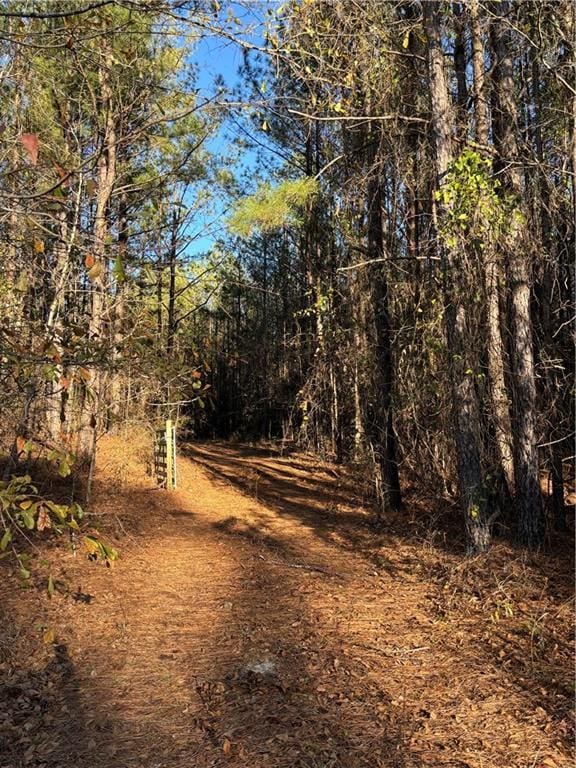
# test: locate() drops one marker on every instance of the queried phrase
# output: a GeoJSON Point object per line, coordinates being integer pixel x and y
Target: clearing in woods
{"type": "Point", "coordinates": [254, 618]}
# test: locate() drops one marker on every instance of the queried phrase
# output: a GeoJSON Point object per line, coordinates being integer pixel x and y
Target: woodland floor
{"type": "Point", "coordinates": [255, 618]}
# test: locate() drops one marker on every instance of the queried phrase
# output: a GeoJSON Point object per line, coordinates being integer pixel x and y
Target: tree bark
{"type": "Point", "coordinates": [460, 69]}
{"type": "Point", "coordinates": [55, 402]}
{"type": "Point", "coordinates": [114, 395]}
{"type": "Point", "coordinates": [106, 175]}
{"type": "Point", "coordinates": [380, 421]}
{"type": "Point", "coordinates": [527, 483]}
{"type": "Point", "coordinates": [480, 103]}
{"type": "Point", "coordinates": [172, 257]}
{"type": "Point", "coordinates": [491, 267]}
{"type": "Point", "coordinates": [465, 403]}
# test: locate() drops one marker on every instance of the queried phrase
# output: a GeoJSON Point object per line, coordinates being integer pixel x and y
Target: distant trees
{"type": "Point", "coordinates": [434, 257]}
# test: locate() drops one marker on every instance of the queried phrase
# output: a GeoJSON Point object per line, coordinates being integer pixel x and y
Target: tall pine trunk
{"type": "Point", "coordinates": [380, 421]}
{"type": "Point", "coordinates": [106, 177]}
{"type": "Point", "coordinates": [519, 273]}
{"type": "Point", "coordinates": [465, 402]}
{"type": "Point", "coordinates": [500, 408]}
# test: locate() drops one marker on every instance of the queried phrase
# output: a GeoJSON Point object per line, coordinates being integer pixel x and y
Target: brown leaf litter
{"type": "Point", "coordinates": [256, 619]}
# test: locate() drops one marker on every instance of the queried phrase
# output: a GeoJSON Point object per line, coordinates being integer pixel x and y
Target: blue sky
{"type": "Point", "coordinates": [219, 58]}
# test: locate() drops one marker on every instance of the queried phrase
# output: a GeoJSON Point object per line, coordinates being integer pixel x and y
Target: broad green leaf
{"type": "Point", "coordinates": [6, 539]}
{"type": "Point", "coordinates": [28, 518]}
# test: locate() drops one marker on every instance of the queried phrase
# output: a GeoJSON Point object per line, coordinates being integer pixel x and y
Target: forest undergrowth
{"type": "Point", "coordinates": [256, 616]}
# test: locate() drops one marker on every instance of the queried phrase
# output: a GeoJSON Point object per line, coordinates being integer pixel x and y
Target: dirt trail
{"type": "Point", "coordinates": [254, 618]}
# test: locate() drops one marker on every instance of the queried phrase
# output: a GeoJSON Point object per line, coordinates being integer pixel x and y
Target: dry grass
{"type": "Point", "coordinates": [256, 619]}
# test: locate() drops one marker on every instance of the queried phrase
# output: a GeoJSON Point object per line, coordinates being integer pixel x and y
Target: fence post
{"type": "Point", "coordinates": [170, 455]}
{"type": "Point", "coordinates": [165, 456]}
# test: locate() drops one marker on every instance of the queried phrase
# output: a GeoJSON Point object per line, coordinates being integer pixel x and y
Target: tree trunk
{"type": "Point", "coordinates": [380, 422]}
{"type": "Point", "coordinates": [172, 257]}
{"type": "Point", "coordinates": [359, 323]}
{"type": "Point", "coordinates": [480, 103]}
{"type": "Point", "coordinates": [97, 326]}
{"type": "Point", "coordinates": [460, 69]}
{"type": "Point", "coordinates": [465, 404]}
{"type": "Point", "coordinates": [527, 484]}
{"type": "Point", "coordinates": [491, 267]}
{"type": "Point", "coordinates": [159, 299]}
{"type": "Point", "coordinates": [114, 395]}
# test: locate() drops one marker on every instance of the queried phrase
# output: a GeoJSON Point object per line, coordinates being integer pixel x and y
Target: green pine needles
{"type": "Point", "coordinates": [271, 208]}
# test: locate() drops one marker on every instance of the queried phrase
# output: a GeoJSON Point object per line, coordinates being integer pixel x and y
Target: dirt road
{"type": "Point", "coordinates": [255, 619]}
